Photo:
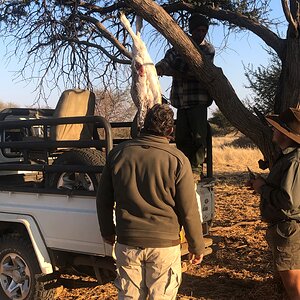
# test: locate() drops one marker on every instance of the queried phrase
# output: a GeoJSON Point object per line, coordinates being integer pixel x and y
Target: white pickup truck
{"type": "Point", "coordinates": [48, 221]}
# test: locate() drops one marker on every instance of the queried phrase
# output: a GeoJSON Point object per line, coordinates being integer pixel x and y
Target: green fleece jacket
{"type": "Point", "coordinates": [149, 184]}
{"type": "Point", "coordinates": [280, 197]}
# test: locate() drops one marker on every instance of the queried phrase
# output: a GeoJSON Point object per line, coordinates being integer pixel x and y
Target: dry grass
{"type": "Point", "coordinates": [228, 157]}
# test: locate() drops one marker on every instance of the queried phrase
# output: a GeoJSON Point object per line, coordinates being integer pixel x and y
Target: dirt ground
{"type": "Point", "coordinates": [240, 266]}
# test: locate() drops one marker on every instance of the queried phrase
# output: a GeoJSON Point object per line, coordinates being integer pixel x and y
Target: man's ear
{"type": "Point", "coordinates": [170, 131]}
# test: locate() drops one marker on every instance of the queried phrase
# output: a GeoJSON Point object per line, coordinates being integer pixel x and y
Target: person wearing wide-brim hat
{"type": "Point", "coordinates": [280, 200]}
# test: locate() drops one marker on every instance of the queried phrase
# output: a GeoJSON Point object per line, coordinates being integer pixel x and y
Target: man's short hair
{"type": "Point", "coordinates": [159, 120]}
{"type": "Point", "coordinates": [197, 20]}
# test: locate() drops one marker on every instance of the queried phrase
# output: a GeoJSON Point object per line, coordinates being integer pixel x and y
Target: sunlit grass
{"type": "Point", "coordinates": [228, 158]}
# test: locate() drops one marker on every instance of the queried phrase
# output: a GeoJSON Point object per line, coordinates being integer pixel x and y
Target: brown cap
{"type": "Point", "coordinates": [197, 20]}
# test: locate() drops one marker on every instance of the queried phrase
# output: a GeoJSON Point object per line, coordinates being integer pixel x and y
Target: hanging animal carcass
{"type": "Point", "coordinates": [145, 88]}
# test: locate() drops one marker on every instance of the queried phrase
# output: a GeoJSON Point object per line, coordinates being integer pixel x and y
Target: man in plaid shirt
{"type": "Point", "coordinates": [189, 95]}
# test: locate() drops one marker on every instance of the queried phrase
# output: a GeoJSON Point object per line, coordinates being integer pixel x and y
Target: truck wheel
{"type": "Point", "coordinates": [18, 270]}
{"type": "Point", "coordinates": [78, 181]}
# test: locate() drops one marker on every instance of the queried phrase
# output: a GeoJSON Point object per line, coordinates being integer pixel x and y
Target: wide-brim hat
{"type": "Point", "coordinates": [288, 122]}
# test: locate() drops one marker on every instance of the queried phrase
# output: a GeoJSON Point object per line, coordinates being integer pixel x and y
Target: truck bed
{"type": "Point", "coordinates": [67, 222]}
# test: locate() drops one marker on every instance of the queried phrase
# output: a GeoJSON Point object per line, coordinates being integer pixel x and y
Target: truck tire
{"type": "Point", "coordinates": [78, 181]}
{"type": "Point", "coordinates": [18, 271]}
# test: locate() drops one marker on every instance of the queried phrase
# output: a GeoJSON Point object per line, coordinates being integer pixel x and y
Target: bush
{"type": "Point", "coordinates": [219, 124]}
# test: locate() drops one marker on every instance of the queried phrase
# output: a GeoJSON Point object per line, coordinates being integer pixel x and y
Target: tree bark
{"type": "Point", "coordinates": [289, 90]}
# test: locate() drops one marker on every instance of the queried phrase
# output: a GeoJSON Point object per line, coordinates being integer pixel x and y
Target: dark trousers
{"type": "Point", "coordinates": [191, 132]}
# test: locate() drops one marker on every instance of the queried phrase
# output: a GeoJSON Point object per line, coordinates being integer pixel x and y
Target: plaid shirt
{"type": "Point", "coordinates": [187, 91]}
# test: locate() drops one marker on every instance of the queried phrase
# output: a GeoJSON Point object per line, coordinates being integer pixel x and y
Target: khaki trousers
{"type": "Point", "coordinates": [148, 273]}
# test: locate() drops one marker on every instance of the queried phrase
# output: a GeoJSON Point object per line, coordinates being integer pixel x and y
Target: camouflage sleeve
{"type": "Point", "coordinates": [279, 202]}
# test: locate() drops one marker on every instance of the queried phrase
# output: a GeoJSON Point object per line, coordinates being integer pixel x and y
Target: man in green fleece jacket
{"type": "Point", "coordinates": [280, 200]}
{"type": "Point", "coordinates": [149, 185]}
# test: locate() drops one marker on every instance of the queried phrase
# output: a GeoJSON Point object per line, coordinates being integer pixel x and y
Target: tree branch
{"type": "Point", "coordinates": [89, 44]}
{"type": "Point", "coordinates": [103, 10]}
{"type": "Point", "coordinates": [106, 34]}
{"type": "Point", "coordinates": [268, 36]}
{"type": "Point", "coordinates": [288, 16]}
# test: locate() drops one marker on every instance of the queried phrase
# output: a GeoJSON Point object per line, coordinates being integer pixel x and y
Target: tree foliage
{"type": "Point", "coordinates": [264, 82]}
{"type": "Point", "coordinates": [64, 41]}
{"type": "Point", "coordinates": [77, 42]}
{"type": "Point", "coordinates": [220, 125]}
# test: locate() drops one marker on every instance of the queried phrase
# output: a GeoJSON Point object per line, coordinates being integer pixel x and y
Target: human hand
{"type": "Point", "coordinates": [109, 239]}
{"type": "Point", "coordinates": [195, 259]}
{"type": "Point", "coordinates": [159, 71]}
{"type": "Point", "coordinates": [257, 183]}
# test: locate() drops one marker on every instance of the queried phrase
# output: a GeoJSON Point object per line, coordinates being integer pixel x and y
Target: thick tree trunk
{"type": "Point", "coordinates": [289, 89]}
{"type": "Point", "coordinates": [218, 85]}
